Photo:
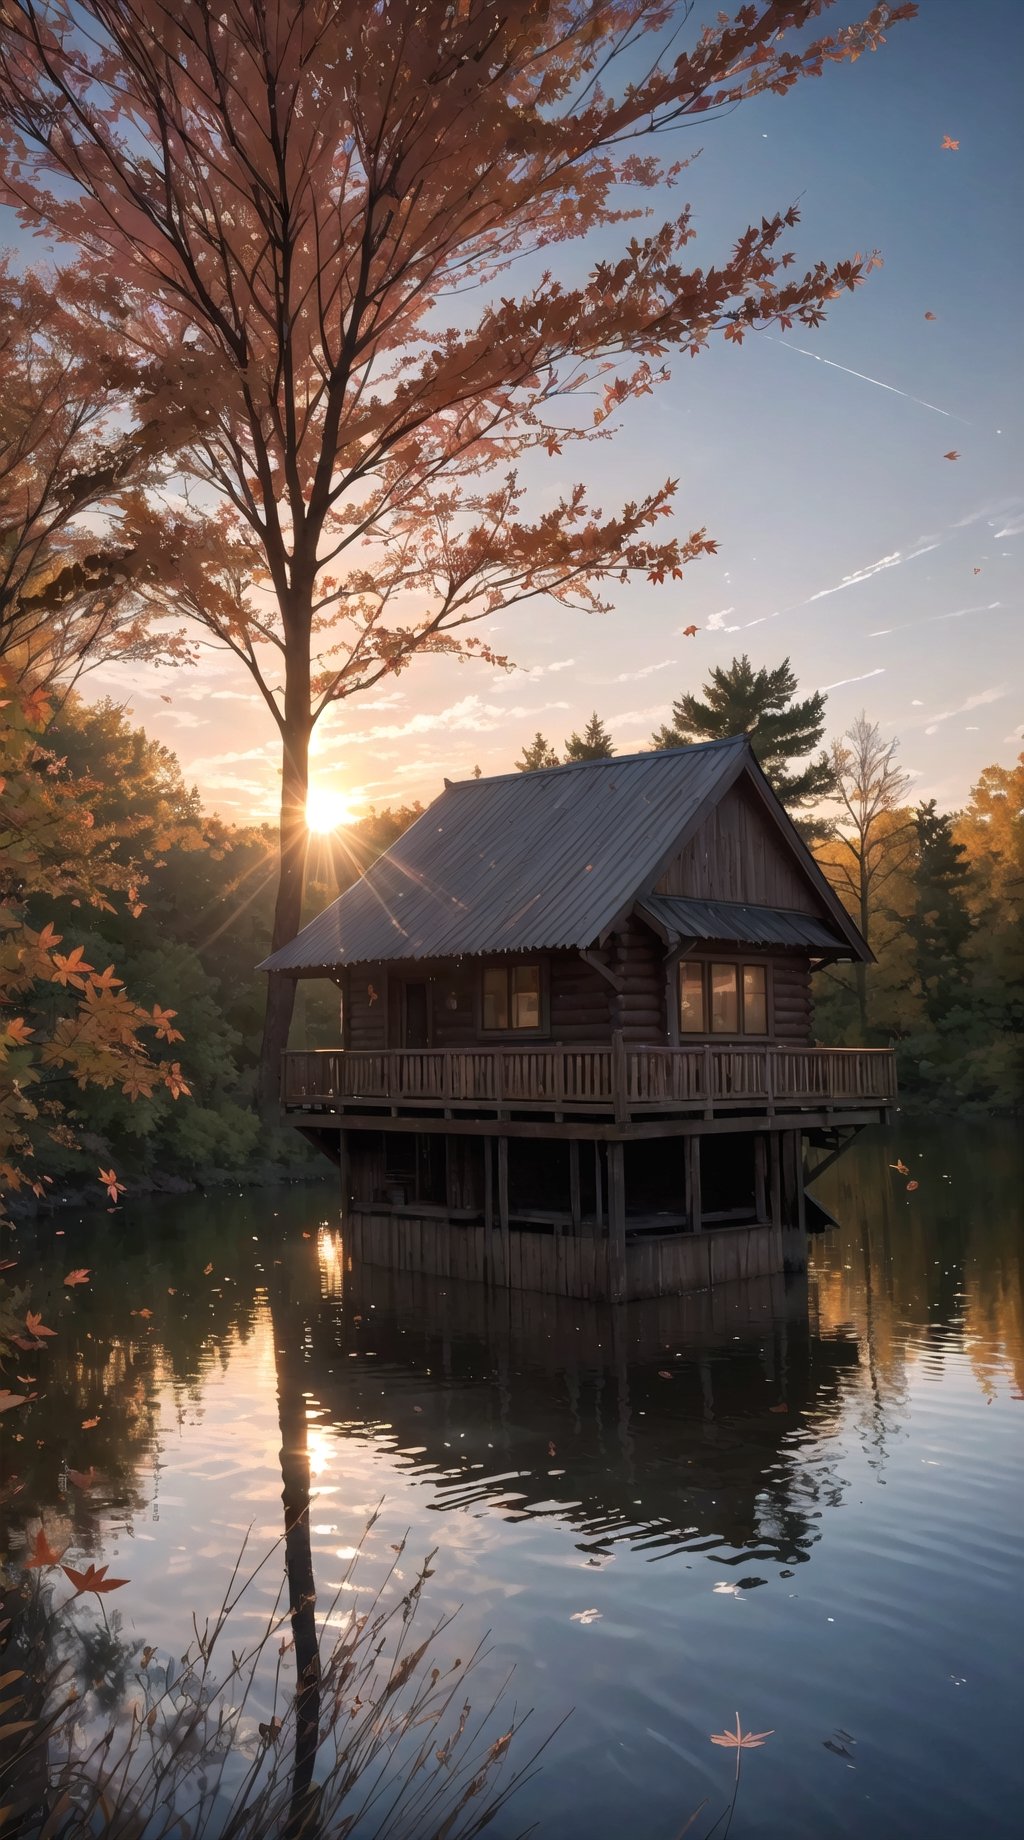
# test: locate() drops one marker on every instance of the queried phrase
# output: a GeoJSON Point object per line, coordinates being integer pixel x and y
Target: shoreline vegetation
{"type": "Point", "coordinates": [177, 903]}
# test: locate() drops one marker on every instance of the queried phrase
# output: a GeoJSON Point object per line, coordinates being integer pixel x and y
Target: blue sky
{"type": "Point", "coordinates": [809, 477]}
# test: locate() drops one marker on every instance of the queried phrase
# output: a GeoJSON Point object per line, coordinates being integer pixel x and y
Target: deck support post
{"type": "Point", "coordinates": [775, 1166]}
{"type": "Point", "coordinates": [574, 1183]}
{"type": "Point", "coordinates": [616, 1223]}
{"type": "Point", "coordinates": [503, 1209]}
{"type": "Point", "coordinates": [760, 1169]}
{"type": "Point", "coordinates": [598, 1191]}
{"type": "Point", "coordinates": [693, 1200]}
{"type": "Point", "coordinates": [344, 1174]}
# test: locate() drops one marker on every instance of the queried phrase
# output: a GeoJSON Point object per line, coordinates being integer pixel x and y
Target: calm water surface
{"type": "Point", "coordinates": [804, 1502]}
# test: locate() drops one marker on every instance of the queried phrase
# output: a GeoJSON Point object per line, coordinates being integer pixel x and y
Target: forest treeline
{"type": "Point", "coordinates": [189, 906]}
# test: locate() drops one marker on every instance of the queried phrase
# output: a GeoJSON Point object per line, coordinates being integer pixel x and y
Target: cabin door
{"type": "Point", "coordinates": [416, 1016]}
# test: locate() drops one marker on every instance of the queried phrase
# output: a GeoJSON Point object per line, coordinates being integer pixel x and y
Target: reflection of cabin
{"type": "Point", "coordinates": [576, 1029]}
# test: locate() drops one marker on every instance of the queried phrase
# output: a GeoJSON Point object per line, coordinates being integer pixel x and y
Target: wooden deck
{"type": "Point", "coordinates": [619, 1083]}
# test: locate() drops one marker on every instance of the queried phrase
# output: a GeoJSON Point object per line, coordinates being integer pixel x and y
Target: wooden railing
{"type": "Point", "coordinates": [620, 1080]}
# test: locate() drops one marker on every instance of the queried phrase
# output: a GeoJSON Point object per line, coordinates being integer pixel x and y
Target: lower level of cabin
{"type": "Point", "coordinates": [606, 1218]}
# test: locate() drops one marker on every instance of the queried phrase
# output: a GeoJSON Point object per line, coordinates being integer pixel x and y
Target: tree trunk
{"type": "Point", "coordinates": [861, 972]}
{"type": "Point", "coordinates": [294, 845]}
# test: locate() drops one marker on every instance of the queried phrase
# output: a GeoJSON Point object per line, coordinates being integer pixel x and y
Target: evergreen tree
{"type": "Point", "coordinates": [940, 925]}
{"type": "Point", "coordinates": [742, 701]}
{"type": "Point", "coordinates": [540, 753]}
{"type": "Point", "coordinates": [595, 743]}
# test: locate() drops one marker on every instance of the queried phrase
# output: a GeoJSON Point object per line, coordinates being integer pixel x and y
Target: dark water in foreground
{"type": "Point", "coordinates": [804, 1503]}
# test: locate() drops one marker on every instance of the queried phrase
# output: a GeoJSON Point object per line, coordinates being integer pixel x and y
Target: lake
{"type": "Point", "coordinates": [803, 1502]}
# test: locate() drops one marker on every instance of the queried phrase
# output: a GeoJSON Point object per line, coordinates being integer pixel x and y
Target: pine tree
{"type": "Point", "coordinates": [595, 743]}
{"type": "Point", "coordinates": [940, 926]}
{"type": "Point", "coordinates": [540, 753]}
{"type": "Point", "coordinates": [742, 701]}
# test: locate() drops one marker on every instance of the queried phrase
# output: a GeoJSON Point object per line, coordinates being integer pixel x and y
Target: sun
{"type": "Point", "coordinates": [326, 809]}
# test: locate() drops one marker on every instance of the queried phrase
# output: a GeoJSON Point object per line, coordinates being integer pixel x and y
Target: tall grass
{"type": "Point", "coordinates": [365, 1734]}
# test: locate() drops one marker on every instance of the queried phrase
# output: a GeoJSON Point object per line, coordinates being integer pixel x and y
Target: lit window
{"type": "Point", "coordinates": [691, 999]}
{"type": "Point", "coordinates": [496, 999]}
{"type": "Point", "coordinates": [526, 997]}
{"type": "Point", "coordinates": [511, 997]}
{"type": "Point", "coordinates": [755, 1000]}
{"type": "Point", "coordinates": [725, 1000]}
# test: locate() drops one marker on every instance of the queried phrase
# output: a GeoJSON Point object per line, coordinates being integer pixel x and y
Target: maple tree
{"type": "Point", "coordinates": [873, 837]}
{"type": "Point", "coordinates": [65, 1023]}
{"type": "Point", "coordinates": [66, 454]}
{"type": "Point", "coordinates": [306, 226]}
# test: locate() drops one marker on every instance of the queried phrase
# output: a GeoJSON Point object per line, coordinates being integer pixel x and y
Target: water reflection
{"type": "Point", "coordinates": [841, 1455]}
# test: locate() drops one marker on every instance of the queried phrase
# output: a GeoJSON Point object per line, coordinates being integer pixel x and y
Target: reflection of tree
{"type": "Point", "coordinates": [934, 1270]}
{"type": "Point", "coordinates": [287, 1320]}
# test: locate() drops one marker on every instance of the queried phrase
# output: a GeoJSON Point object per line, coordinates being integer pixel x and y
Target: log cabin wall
{"type": "Point", "coordinates": [792, 1005]}
{"type": "Point", "coordinates": [580, 1002]}
{"type": "Point", "coordinates": [638, 1009]}
{"type": "Point", "coordinates": [737, 856]}
{"type": "Point", "coordinates": [366, 1009]}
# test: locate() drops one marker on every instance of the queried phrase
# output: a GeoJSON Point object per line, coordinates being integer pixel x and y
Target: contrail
{"type": "Point", "coordinates": [853, 680]}
{"type": "Point", "coordinates": [877, 381]}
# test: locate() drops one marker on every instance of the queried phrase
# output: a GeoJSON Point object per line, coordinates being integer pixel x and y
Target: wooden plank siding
{"type": "Point", "coordinates": [792, 1005]}
{"type": "Point", "coordinates": [638, 1007]}
{"type": "Point", "coordinates": [735, 856]}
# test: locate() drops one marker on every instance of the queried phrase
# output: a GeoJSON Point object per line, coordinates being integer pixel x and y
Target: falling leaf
{"type": "Point", "coordinates": [35, 1324]}
{"type": "Point", "coordinates": [171, 1292]}
{"type": "Point", "coordinates": [778, 1408]}
{"type": "Point", "coordinates": [552, 1452]}
{"type": "Point", "coordinates": [89, 1424]}
{"type": "Point", "coordinates": [585, 1616]}
{"type": "Point", "coordinates": [9, 1399]}
{"type": "Point", "coordinates": [911, 1187]}
{"type": "Point", "coordinates": [42, 1553]}
{"type": "Point", "coordinates": [78, 1277]}
{"type": "Point", "coordinates": [108, 1178]}
{"type": "Point", "coordinates": [146, 1313]}
{"type": "Point", "coordinates": [92, 1579]}
{"type": "Point", "coordinates": [207, 1270]}
{"type": "Point", "coordinates": [271, 1732]}
{"type": "Point", "coordinates": [690, 632]}
{"type": "Point", "coordinates": [977, 571]}
{"type": "Point", "coordinates": [82, 1479]}
{"type": "Point", "coordinates": [739, 1740]}
{"type": "Point", "coordinates": [952, 454]}
{"type": "Point", "coordinates": [663, 1374]}
{"type": "Point", "coordinates": [929, 316]}
{"type": "Point", "coordinates": [900, 1167]}
{"type": "Point", "coordinates": [949, 145]}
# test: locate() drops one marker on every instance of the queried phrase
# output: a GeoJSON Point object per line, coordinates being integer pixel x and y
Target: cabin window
{"type": "Point", "coordinates": [722, 999]}
{"type": "Point", "coordinates": [725, 999]}
{"type": "Point", "coordinates": [691, 999]}
{"type": "Point", "coordinates": [511, 997]}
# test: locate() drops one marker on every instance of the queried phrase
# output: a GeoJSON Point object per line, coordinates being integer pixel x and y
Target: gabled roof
{"type": "Point", "coordinates": [532, 862]}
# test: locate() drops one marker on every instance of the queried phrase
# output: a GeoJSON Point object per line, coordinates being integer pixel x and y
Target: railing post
{"type": "Point", "coordinates": [769, 1081]}
{"type": "Point", "coordinates": [620, 1101]}
{"type": "Point", "coordinates": [709, 1097]}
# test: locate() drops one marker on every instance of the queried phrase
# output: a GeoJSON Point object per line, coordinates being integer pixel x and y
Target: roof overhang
{"type": "Point", "coordinates": [679, 921]}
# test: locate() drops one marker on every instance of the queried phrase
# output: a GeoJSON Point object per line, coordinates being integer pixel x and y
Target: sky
{"type": "Point", "coordinates": [890, 575]}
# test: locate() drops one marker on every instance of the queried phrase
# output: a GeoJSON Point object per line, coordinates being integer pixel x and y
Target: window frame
{"type": "Point", "coordinates": [510, 1033]}
{"type": "Point", "coordinates": [686, 1037]}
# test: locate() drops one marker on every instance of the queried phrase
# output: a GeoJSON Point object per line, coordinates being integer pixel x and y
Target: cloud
{"type": "Point", "coordinates": [933, 619]}
{"type": "Point", "coordinates": [840, 681]}
{"type": "Point", "coordinates": [1014, 528]}
{"type": "Point", "coordinates": [717, 621]}
{"type": "Point", "coordinates": [470, 713]}
{"type": "Point", "coordinates": [648, 670]}
{"type": "Point", "coordinates": [979, 701]}
{"type": "Point", "coordinates": [864, 378]}
{"type": "Point", "coordinates": [892, 561]}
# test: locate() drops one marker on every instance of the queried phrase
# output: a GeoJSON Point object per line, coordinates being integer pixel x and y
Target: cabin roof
{"type": "Point", "coordinates": [678, 919]}
{"type": "Point", "coordinates": [529, 862]}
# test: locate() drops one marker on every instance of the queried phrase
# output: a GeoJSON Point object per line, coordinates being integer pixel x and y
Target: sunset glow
{"type": "Point", "coordinates": [327, 809]}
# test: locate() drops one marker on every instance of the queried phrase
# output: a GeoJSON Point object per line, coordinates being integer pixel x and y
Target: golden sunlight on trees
{"type": "Point", "coordinates": [320, 237]}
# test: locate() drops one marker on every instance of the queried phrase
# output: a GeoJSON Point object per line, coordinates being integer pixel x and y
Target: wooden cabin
{"type": "Point", "coordinates": [576, 1047]}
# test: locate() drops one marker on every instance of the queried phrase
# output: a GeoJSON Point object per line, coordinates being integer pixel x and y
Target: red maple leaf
{"type": "Point", "coordinates": [42, 1553]}
{"type": "Point", "coordinates": [80, 1276]}
{"type": "Point", "coordinates": [952, 454]}
{"type": "Point", "coordinates": [92, 1579]}
{"type": "Point", "coordinates": [949, 145]}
